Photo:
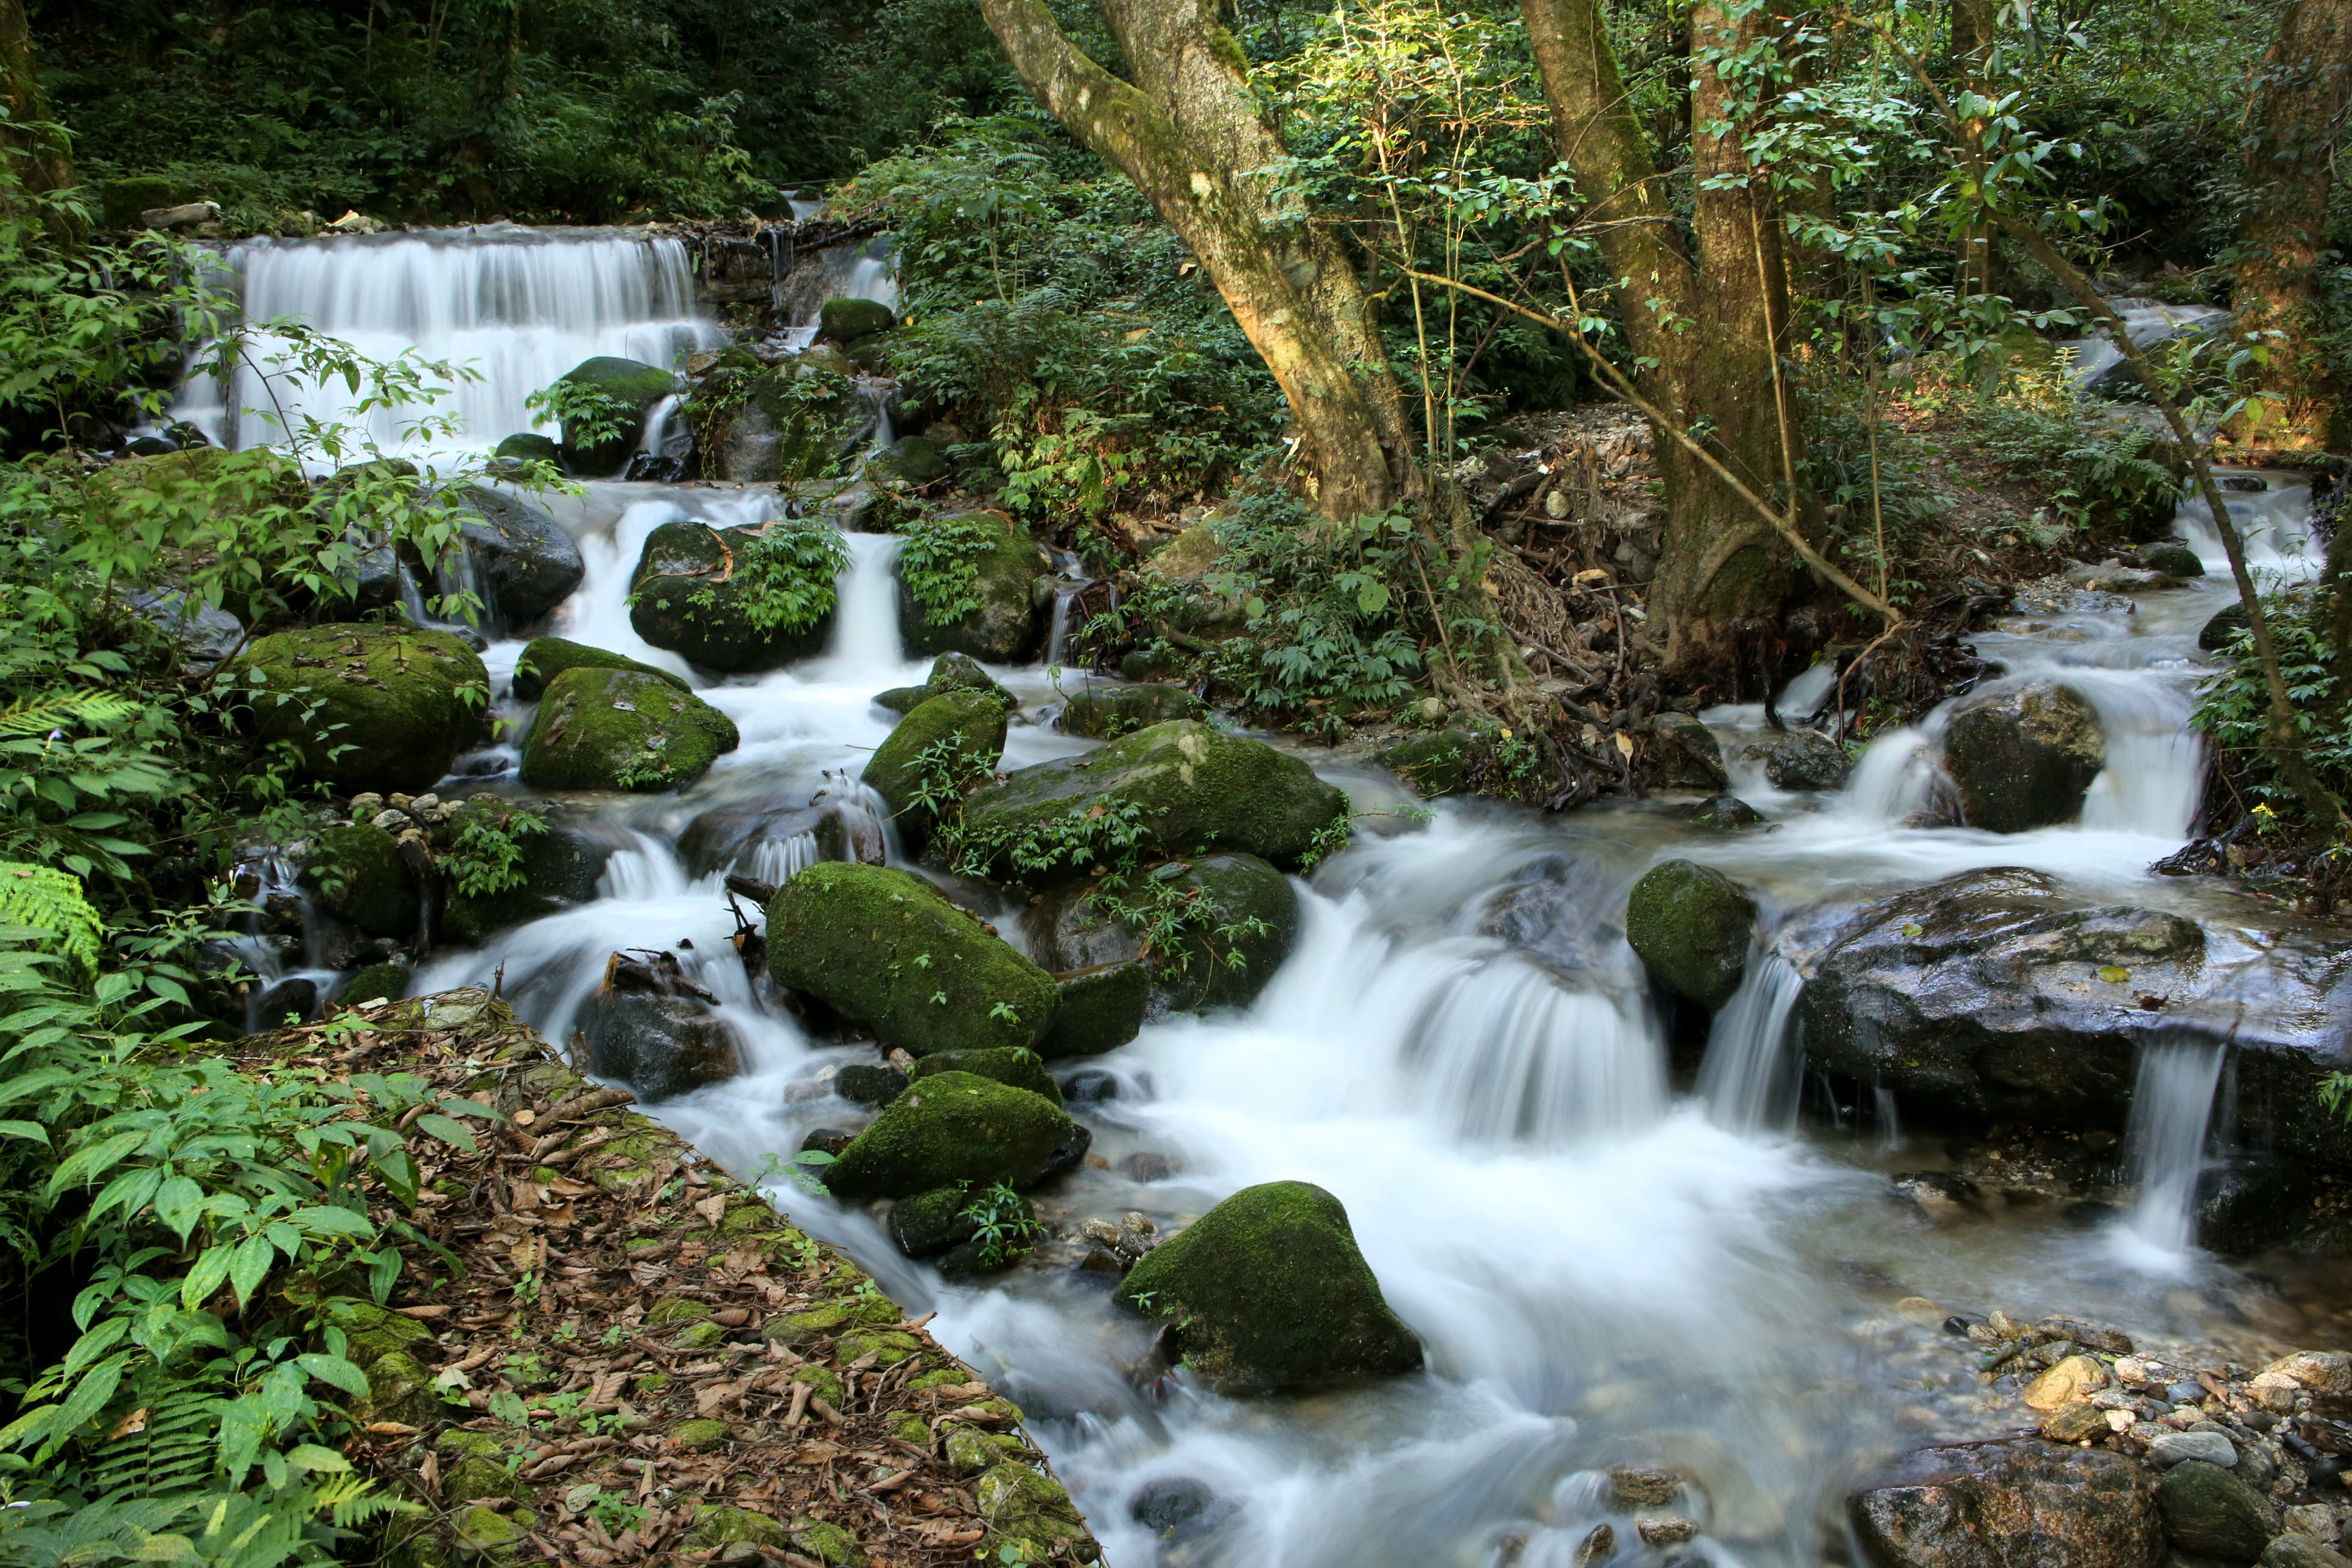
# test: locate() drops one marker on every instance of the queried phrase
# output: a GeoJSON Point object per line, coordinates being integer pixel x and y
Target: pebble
{"type": "Point", "coordinates": [1920, 1311]}
{"type": "Point", "coordinates": [2210, 1446]}
{"type": "Point", "coordinates": [1666, 1530]}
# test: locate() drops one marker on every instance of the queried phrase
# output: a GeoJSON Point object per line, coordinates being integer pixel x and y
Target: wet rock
{"type": "Point", "coordinates": [628, 387]}
{"type": "Point", "coordinates": [1014, 588]}
{"type": "Point", "coordinates": [2116, 577]}
{"type": "Point", "coordinates": [2224, 628]}
{"type": "Point", "coordinates": [358, 874]}
{"type": "Point", "coordinates": [1686, 755]}
{"type": "Point", "coordinates": [827, 1141]}
{"type": "Point", "coordinates": [2076, 1377]}
{"type": "Point", "coordinates": [1725, 814]}
{"type": "Point", "coordinates": [1101, 1008]}
{"type": "Point", "coordinates": [952, 1127]}
{"type": "Point", "coordinates": [2209, 1512]}
{"type": "Point", "coordinates": [888, 949]}
{"type": "Point", "coordinates": [1268, 1291]}
{"type": "Point", "coordinates": [1196, 791]}
{"type": "Point", "coordinates": [1147, 1167]}
{"type": "Point", "coordinates": [1802, 759]}
{"type": "Point", "coordinates": [1217, 927]}
{"type": "Point", "coordinates": [2302, 1551]}
{"type": "Point", "coordinates": [1178, 1509]}
{"type": "Point", "coordinates": [950, 672]}
{"type": "Point", "coordinates": [2022, 1503]}
{"type": "Point", "coordinates": [1104, 712]}
{"type": "Point", "coordinates": [558, 867]}
{"type": "Point", "coordinates": [201, 635]}
{"type": "Point", "coordinates": [2024, 756]}
{"type": "Point", "coordinates": [771, 844]}
{"type": "Point", "coordinates": [620, 729]}
{"type": "Point", "coordinates": [295, 999]}
{"type": "Point", "coordinates": [1451, 761]}
{"type": "Point", "coordinates": [660, 1045]}
{"type": "Point", "coordinates": [846, 320]}
{"type": "Point", "coordinates": [389, 981]}
{"type": "Point", "coordinates": [1632, 1488]}
{"type": "Point", "coordinates": [522, 561]}
{"type": "Point", "coordinates": [941, 1221]}
{"type": "Point", "coordinates": [528, 447]}
{"type": "Point", "coordinates": [1691, 925]}
{"type": "Point", "coordinates": [1942, 1196]}
{"type": "Point", "coordinates": [2074, 1423]}
{"type": "Point", "coordinates": [364, 706]}
{"type": "Point", "coordinates": [739, 599]}
{"type": "Point", "coordinates": [544, 658]}
{"type": "Point", "coordinates": [2172, 560]}
{"type": "Point", "coordinates": [785, 423]}
{"type": "Point", "coordinates": [1012, 1064]}
{"type": "Point", "coordinates": [2171, 1448]}
{"type": "Point", "coordinates": [966, 728]}
{"type": "Point", "coordinates": [2322, 1371]}
{"type": "Point", "coordinates": [1661, 1531]}
{"type": "Point", "coordinates": [869, 1083]}
{"type": "Point", "coordinates": [1090, 1086]}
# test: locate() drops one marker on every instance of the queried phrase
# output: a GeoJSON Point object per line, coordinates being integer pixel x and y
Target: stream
{"type": "Point", "coordinates": [1614, 1256]}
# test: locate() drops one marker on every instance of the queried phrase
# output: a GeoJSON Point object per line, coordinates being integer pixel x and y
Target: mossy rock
{"type": "Point", "coordinates": [949, 672]}
{"type": "Point", "coordinates": [2209, 1513]}
{"type": "Point", "coordinates": [1691, 925]}
{"type": "Point", "coordinates": [618, 729]}
{"type": "Point", "coordinates": [366, 707]}
{"type": "Point", "coordinates": [632, 385]}
{"type": "Point", "coordinates": [834, 1317]}
{"type": "Point", "coordinates": [1226, 907]}
{"type": "Point", "coordinates": [544, 658]}
{"type": "Point", "coordinates": [1198, 790]}
{"type": "Point", "coordinates": [969, 1451]}
{"type": "Point", "coordinates": [1102, 1009]}
{"type": "Point", "coordinates": [2024, 756]}
{"type": "Point", "coordinates": [822, 1380]}
{"type": "Point", "coordinates": [357, 875]}
{"type": "Point", "coordinates": [943, 1377]}
{"type": "Point", "coordinates": [1028, 1509]}
{"type": "Point", "coordinates": [1014, 587]}
{"type": "Point", "coordinates": [718, 1526]}
{"type": "Point", "coordinates": [695, 593]}
{"type": "Point", "coordinates": [929, 1224]}
{"type": "Point", "coordinates": [952, 1127]}
{"type": "Point", "coordinates": [1014, 1064]}
{"type": "Point", "coordinates": [1685, 755]}
{"type": "Point", "coordinates": [523, 563]}
{"type": "Point", "coordinates": [911, 1429]}
{"type": "Point", "coordinates": [828, 1543]}
{"type": "Point", "coordinates": [1267, 1291]}
{"type": "Point", "coordinates": [371, 1332]}
{"type": "Point", "coordinates": [528, 447]}
{"type": "Point", "coordinates": [780, 424]}
{"type": "Point", "coordinates": [400, 1389]}
{"type": "Point", "coordinates": [2172, 560]}
{"type": "Point", "coordinates": [1106, 712]}
{"type": "Point", "coordinates": [845, 321]}
{"type": "Point", "coordinates": [476, 1478]}
{"type": "Point", "coordinates": [696, 1436]}
{"type": "Point", "coordinates": [484, 1534]}
{"type": "Point", "coordinates": [1725, 814]}
{"type": "Point", "coordinates": [677, 1309]}
{"type": "Point", "coordinates": [888, 1347]}
{"type": "Point", "coordinates": [969, 725]}
{"type": "Point", "coordinates": [559, 865]}
{"type": "Point", "coordinates": [1447, 761]}
{"type": "Point", "coordinates": [890, 950]}
{"type": "Point", "coordinates": [389, 981]}
{"type": "Point", "coordinates": [699, 1337]}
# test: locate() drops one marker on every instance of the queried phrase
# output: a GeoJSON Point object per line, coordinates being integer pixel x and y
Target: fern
{"type": "Point", "coordinates": [65, 710]}
{"type": "Point", "coordinates": [50, 901]}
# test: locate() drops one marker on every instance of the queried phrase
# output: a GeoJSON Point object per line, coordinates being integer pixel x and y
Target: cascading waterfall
{"type": "Point", "coordinates": [517, 306]}
{"type": "Point", "coordinates": [2145, 321]}
{"type": "Point", "coordinates": [2164, 1144]}
{"type": "Point", "coordinates": [1749, 1077]}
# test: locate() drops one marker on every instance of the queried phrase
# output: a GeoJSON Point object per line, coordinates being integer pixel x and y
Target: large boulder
{"type": "Point", "coordinates": [518, 558]}
{"type": "Point", "coordinates": [963, 731]}
{"type": "Point", "coordinates": [1268, 1291]}
{"type": "Point", "coordinates": [975, 584]}
{"type": "Point", "coordinates": [1209, 932]}
{"type": "Point", "coordinates": [366, 707]}
{"type": "Point", "coordinates": [1451, 761]}
{"type": "Point", "coordinates": [1101, 712]}
{"type": "Point", "coordinates": [1192, 790]}
{"type": "Point", "coordinates": [949, 672]}
{"type": "Point", "coordinates": [1014, 1064]}
{"type": "Point", "coordinates": [845, 320]}
{"type": "Point", "coordinates": [950, 1128]}
{"type": "Point", "coordinates": [889, 951]}
{"type": "Point", "coordinates": [1685, 755]}
{"type": "Point", "coordinates": [784, 422]}
{"type": "Point", "coordinates": [621, 729]}
{"type": "Point", "coordinates": [628, 389]}
{"type": "Point", "coordinates": [1801, 758]}
{"type": "Point", "coordinates": [1691, 925]}
{"type": "Point", "coordinates": [544, 658]}
{"type": "Point", "coordinates": [357, 874]}
{"type": "Point", "coordinates": [658, 1044]}
{"type": "Point", "coordinates": [2024, 756]}
{"type": "Point", "coordinates": [2209, 1513]}
{"type": "Point", "coordinates": [2022, 1503]}
{"type": "Point", "coordinates": [771, 843]}
{"type": "Point", "coordinates": [555, 866]}
{"type": "Point", "coordinates": [737, 599]}
{"type": "Point", "coordinates": [1100, 1009]}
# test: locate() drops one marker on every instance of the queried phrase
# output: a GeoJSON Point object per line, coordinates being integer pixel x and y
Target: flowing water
{"type": "Point", "coordinates": [1609, 1262]}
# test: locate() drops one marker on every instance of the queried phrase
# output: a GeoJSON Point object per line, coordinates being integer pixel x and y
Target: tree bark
{"type": "Point", "coordinates": [1188, 131]}
{"type": "Point", "coordinates": [2292, 127]}
{"type": "Point", "coordinates": [42, 160]}
{"type": "Point", "coordinates": [1701, 320]}
{"type": "Point", "coordinates": [1974, 24]}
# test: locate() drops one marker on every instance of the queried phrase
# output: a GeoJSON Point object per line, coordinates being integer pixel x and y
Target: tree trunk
{"type": "Point", "coordinates": [2292, 128]}
{"type": "Point", "coordinates": [1974, 24]}
{"type": "Point", "coordinates": [42, 160]}
{"type": "Point", "coordinates": [1190, 135]}
{"type": "Point", "coordinates": [1701, 320]}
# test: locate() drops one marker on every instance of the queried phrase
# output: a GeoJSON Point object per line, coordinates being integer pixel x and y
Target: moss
{"type": "Point", "coordinates": [371, 1332]}
{"type": "Point", "coordinates": [647, 1384]}
{"type": "Point", "coordinates": [677, 1309]}
{"type": "Point", "coordinates": [400, 1389]}
{"type": "Point", "coordinates": [1199, 791]}
{"type": "Point", "coordinates": [971, 1450]}
{"type": "Point", "coordinates": [1268, 1291]}
{"type": "Point", "coordinates": [739, 599]}
{"type": "Point", "coordinates": [844, 321]}
{"type": "Point", "coordinates": [544, 658]}
{"type": "Point", "coordinates": [700, 1337]}
{"type": "Point", "coordinates": [1691, 925]}
{"type": "Point", "coordinates": [950, 1128]}
{"type": "Point", "coordinates": [929, 1224]}
{"type": "Point", "coordinates": [1012, 586]}
{"type": "Point", "coordinates": [1102, 1009]}
{"type": "Point", "coordinates": [1029, 1507]}
{"type": "Point", "coordinates": [616, 729]}
{"type": "Point", "coordinates": [528, 447]}
{"type": "Point", "coordinates": [890, 950]}
{"type": "Point", "coordinates": [828, 1543]}
{"type": "Point", "coordinates": [357, 875]}
{"type": "Point", "coordinates": [824, 1383]}
{"type": "Point", "coordinates": [697, 1435]}
{"type": "Point", "coordinates": [387, 980]}
{"type": "Point", "coordinates": [1107, 713]}
{"type": "Point", "coordinates": [718, 1526]}
{"type": "Point", "coordinates": [886, 1346]}
{"type": "Point", "coordinates": [911, 1429]}
{"type": "Point", "coordinates": [832, 1317]}
{"type": "Point", "coordinates": [478, 1478]}
{"type": "Point", "coordinates": [1439, 764]}
{"type": "Point", "coordinates": [945, 1377]}
{"type": "Point", "coordinates": [970, 725]}
{"type": "Point", "coordinates": [484, 1532]}
{"type": "Point", "coordinates": [365, 708]}
{"type": "Point", "coordinates": [1013, 1065]}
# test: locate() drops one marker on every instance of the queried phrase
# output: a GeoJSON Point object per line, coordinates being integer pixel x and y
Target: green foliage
{"type": "Point", "coordinates": [939, 562]}
{"type": "Point", "coordinates": [42, 898]}
{"type": "Point", "coordinates": [591, 417]}
{"type": "Point", "coordinates": [486, 857]}
{"type": "Point", "coordinates": [2097, 470]}
{"type": "Point", "coordinates": [1174, 920]}
{"type": "Point", "coordinates": [2234, 711]}
{"type": "Point", "coordinates": [787, 575]}
{"type": "Point", "coordinates": [1001, 1224]}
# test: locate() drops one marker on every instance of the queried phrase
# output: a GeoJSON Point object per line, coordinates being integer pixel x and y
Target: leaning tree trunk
{"type": "Point", "coordinates": [40, 159]}
{"type": "Point", "coordinates": [1701, 322]}
{"type": "Point", "coordinates": [2293, 128]}
{"type": "Point", "coordinates": [1189, 132]}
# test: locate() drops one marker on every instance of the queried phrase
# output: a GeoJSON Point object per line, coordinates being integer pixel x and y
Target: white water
{"type": "Point", "coordinates": [2164, 1148]}
{"type": "Point", "coordinates": [2144, 322]}
{"type": "Point", "coordinates": [1748, 1077]}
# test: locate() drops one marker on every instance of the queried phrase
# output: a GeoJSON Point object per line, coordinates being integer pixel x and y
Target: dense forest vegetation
{"type": "Point", "coordinates": [1314, 272]}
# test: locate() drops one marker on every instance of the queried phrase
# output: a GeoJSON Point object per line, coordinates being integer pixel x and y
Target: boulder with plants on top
{"type": "Point", "coordinates": [622, 728]}
{"type": "Point", "coordinates": [974, 583]}
{"type": "Point", "coordinates": [365, 707]}
{"type": "Point", "coordinates": [603, 403]}
{"type": "Point", "coordinates": [737, 598]}
{"type": "Point", "coordinates": [955, 1126]}
{"type": "Point", "coordinates": [939, 747]}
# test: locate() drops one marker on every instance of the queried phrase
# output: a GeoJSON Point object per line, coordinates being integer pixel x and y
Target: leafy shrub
{"type": "Point", "coordinates": [939, 562]}
{"type": "Point", "coordinates": [486, 857]}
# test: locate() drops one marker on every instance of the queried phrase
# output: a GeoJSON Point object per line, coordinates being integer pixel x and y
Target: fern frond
{"type": "Point", "coordinates": [65, 709]}
{"type": "Point", "coordinates": [49, 901]}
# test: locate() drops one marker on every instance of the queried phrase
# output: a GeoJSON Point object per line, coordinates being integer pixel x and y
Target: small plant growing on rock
{"type": "Point", "coordinates": [486, 858]}
{"type": "Point", "coordinates": [939, 562]}
{"type": "Point", "coordinates": [1002, 1225]}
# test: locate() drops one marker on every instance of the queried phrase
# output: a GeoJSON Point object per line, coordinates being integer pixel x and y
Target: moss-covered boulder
{"type": "Point", "coordinates": [737, 599]}
{"type": "Point", "coordinates": [621, 729]}
{"type": "Point", "coordinates": [1209, 931]}
{"type": "Point", "coordinates": [778, 424]}
{"type": "Point", "coordinates": [1691, 925]}
{"type": "Point", "coordinates": [845, 321]}
{"type": "Point", "coordinates": [544, 658]}
{"type": "Point", "coordinates": [1268, 1291]}
{"type": "Point", "coordinates": [557, 866]}
{"type": "Point", "coordinates": [2024, 756]}
{"type": "Point", "coordinates": [942, 1222]}
{"type": "Point", "coordinates": [718, 1526]}
{"type": "Point", "coordinates": [528, 447]}
{"type": "Point", "coordinates": [1445, 762]}
{"type": "Point", "coordinates": [365, 708]}
{"type": "Point", "coordinates": [949, 672]}
{"type": "Point", "coordinates": [357, 875]}
{"type": "Point", "coordinates": [1015, 1065]}
{"type": "Point", "coordinates": [952, 1127]}
{"type": "Point", "coordinates": [1193, 790]}
{"type": "Point", "coordinates": [627, 389]}
{"type": "Point", "coordinates": [967, 728]}
{"type": "Point", "coordinates": [1029, 1512]}
{"type": "Point", "coordinates": [975, 584]}
{"type": "Point", "coordinates": [389, 981]}
{"type": "Point", "coordinates": [519, 558]}
{"type": "Point", "coordinates": [1684, 754]}
{"type": "Point", "coordinates": [890, 950]}
{"type": "Point", "coordinates": [1104, 712]}
{"type": "Point", "coordinates": [2211, 1514]}
{"type": "Point", "coordinates": [1102, 1009]}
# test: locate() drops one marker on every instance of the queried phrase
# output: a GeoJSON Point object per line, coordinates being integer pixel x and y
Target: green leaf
{"type": "Point", "coordinates": [211, 1267]}
{"type": "Point", "coordinates": [2114, 974]}
{"type": "Point", "coordinates": [33, 1130]}
{"type": "Point", "coordinates": [249, 1265]}
{"type": "Point", "coordinates": [335, 1369]}
{"type": "Point", "coordinates": [447, 1130]}
{"type": "Point", "coordinates": [1372, 598]}
{"type": "Point", "coordinates": [179, 1203]}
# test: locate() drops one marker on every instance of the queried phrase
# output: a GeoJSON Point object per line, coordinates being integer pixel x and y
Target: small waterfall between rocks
{"type": "Point", "coordinates": [2165, 1146]}
{"type": "Point", "coordinates": [1749, 1075]}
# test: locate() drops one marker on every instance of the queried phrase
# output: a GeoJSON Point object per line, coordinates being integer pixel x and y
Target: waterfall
{"type": "Point", "coordinates": [1748, 1077]}
{"type": "Point", "coordinates": [2164, 1142]}
{"type": "Point", "coordinates": [2144, 322]}
{"type": "Point", "coordinates": [519, 306]}
{"type": "Point", "coordinates": [2271, 512]}
{"type": "Point", "coordinates": [866, 636]}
